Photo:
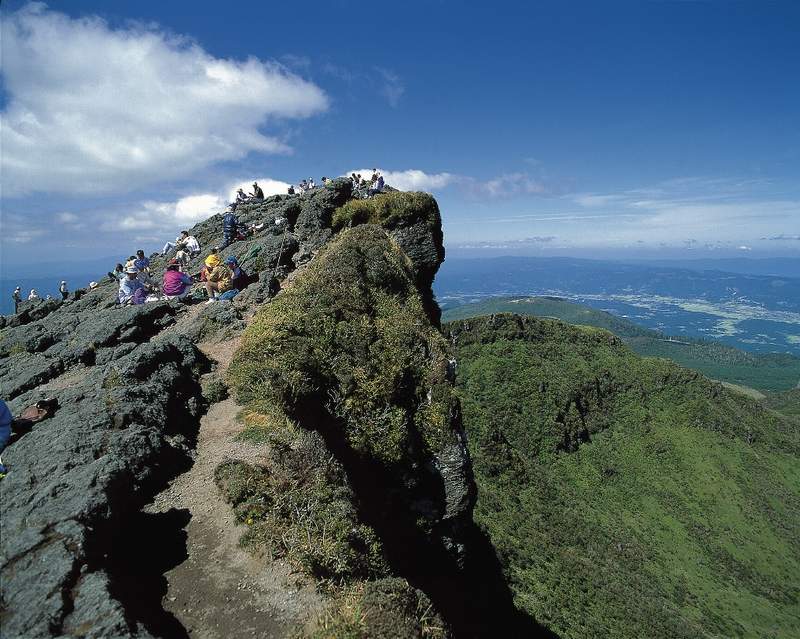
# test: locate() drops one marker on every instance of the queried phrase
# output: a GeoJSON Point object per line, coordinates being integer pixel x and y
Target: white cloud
{"type": "Point", "coordinates": [67, 218]}
{"type": "Point", "coordinates": [268, 185]}
{"type": "Point", "coordinates": [412, 179]}
{"type": "Point", "coordinates": [96, 109]}
{"type": "Point", "coordinates": [170, 217]}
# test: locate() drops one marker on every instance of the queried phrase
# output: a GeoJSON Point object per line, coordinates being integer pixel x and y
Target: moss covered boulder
{"type": "Point", "coordinates": [350, 351]}
{"type": "Point", "coordinates": [413, 221]}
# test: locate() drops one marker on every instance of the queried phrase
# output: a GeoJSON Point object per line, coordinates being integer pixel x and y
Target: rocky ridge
{"type": "Point", "coordinates": [129, 382]}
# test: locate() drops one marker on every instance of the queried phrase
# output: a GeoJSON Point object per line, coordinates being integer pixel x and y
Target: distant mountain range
{"type": "Point", "coordinates": [758, 313]}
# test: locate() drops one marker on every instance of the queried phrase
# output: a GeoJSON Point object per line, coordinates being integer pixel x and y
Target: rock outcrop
{"type": "Point", "coordinates": [374, 397]}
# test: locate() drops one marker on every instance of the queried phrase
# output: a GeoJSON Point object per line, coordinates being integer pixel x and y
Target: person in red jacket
{"type": "Point", "coordinates": [175, 285]}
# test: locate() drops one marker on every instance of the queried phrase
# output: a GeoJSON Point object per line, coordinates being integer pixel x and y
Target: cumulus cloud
{"type": "Point", "coordinates": [91, 108]}
{"type": "Point", "coordinates": [268, 185]}
{"type": "Point", "coordinates": [412, 179]}
{"type": "Point", "coordinates": [169, 217]}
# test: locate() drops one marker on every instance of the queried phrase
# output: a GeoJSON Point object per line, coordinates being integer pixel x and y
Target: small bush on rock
{"type": "Point", "coordinates": [388, 210]}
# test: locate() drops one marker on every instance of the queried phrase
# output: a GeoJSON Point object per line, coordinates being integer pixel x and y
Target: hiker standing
{"type": "Point", "coordinates": [230, 226]}
{"type": "Point", "coordinates": [63, 289]}
{"type": "Point", "coordinates": [17, 297]}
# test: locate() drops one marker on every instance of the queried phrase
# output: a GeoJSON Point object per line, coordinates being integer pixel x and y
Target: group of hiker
{"type": "Point", "coordinates": [16, 296]}
{"type": "Point", "coordinates": [363, 189]}
{"type": "Point", "coordinates": [134, 277]}
{"type": "Point", "coordinates": [245, 198]}
{"type": "Point", "coordinates": [221, 279]}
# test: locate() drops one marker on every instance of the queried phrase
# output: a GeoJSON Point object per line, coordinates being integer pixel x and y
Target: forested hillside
{"type": "Point", "coordinates": [628, 497]}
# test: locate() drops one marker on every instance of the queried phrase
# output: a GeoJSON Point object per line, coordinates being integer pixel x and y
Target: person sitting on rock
{"type": "Point", "coordinates": [311, 184]}
{"type": "Point", "coordinates": [258, 194]}
{"type": "Point", "coordinates": [175, 285]}
{"type": "Point", "coordinates": [377, 186]}
{"type": "Point", "coordinates": [230, 227]}
{"type": "Point", "coordinates": [33, 295]}
{"type": "Point", "coordinates": [131, 262]}
{"type": "Point", "coordinates": [142, 265]}
{"type": "Point", "coordinates": [218, 281]}
{"type": "Point", "coordinates": [17, 297]}
{"type": "Point", "coordinates": [5, 425]}
{"type": "Point", "coordinates": [241, 196]}
{"type": "Point", "coordinates": [290, 190]}
{"type": "Point", "coordinates": [39, 411]}
{"type": "Point", "coordinates": [63, 290]}
{"type": "Point", "coordinates": [211, 262]}
{"type": "Point", "coordinates": [117, 274]}
{"type": "Point", "coordinates": [129, 286]}
{"type": "Point", "coordinates": [239, 279]}
{"type": "Point", "coordinates": [171, 245]}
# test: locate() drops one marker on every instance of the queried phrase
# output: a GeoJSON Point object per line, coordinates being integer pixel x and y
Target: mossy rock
{"type": "Point", "coordinates": [351, 340]}
{"type": "Point", "coordinates": [388, 210]}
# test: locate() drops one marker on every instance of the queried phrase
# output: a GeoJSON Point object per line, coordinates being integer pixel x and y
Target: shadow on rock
{"type": "Point", "coordinates": [147, 547]}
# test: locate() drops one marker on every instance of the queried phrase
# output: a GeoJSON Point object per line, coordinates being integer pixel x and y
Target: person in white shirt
{"type": "Point", "coordinates": [183, 242]}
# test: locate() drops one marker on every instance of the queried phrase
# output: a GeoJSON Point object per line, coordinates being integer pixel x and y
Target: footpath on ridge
{"type": "Point", "coordinates": [113, 520]}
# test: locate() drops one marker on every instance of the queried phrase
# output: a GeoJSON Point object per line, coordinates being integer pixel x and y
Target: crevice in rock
{"type": "Point", "coordinates": [142, 548]}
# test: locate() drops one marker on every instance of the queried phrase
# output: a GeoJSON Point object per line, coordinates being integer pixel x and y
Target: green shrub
{"type": "Point", "coordinates": [300, 507]}
{"type": "Point", "coordinates": [388, 210]}
{"type": "Point", "coordinates": [385, 608]}
{"type": "Point", "coordinates": [214, 389]}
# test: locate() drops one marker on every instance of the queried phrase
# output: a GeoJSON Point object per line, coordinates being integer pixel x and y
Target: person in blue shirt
{"type": "Point", "coordinates": [5, 425]}
{"type": "Point", "coordinates": [142, 264]}
{"type": "Point", "coordinates": [230, 228]}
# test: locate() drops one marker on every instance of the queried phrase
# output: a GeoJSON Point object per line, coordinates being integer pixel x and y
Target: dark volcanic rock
{"type": "Point", "coordinates": [77, 479]}
{"type": "Point", "coordinates": [313, 226]}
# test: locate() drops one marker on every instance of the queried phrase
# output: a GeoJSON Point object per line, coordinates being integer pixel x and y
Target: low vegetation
{"type": "Point", "coordinates": [389, 210]}
{"type": "Point", "coordinates": [300, 507]}
{"type": "Point", "coordinates": [628, 497]}
{"type": "Point", "coordinates": [382, 608]}
{"type": "Point", "coordinates": [349, 346]}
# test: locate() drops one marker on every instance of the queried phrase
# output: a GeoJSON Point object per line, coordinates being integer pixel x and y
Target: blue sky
{"type": "Point", "coordinates": [587, 129]}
